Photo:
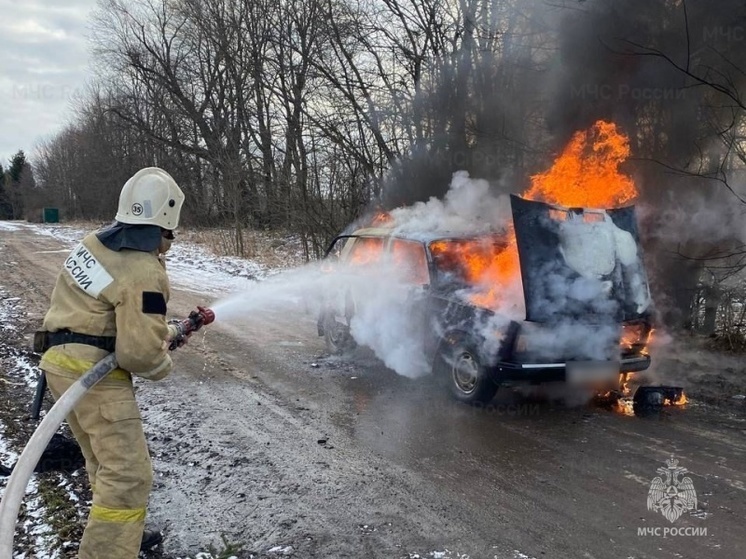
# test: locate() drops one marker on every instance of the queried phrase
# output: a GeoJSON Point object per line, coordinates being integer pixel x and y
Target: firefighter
{"type": "Point", "coordinates": [110, 296]}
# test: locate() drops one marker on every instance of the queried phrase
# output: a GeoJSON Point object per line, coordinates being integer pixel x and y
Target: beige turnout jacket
{"type": "Point", "coordinates": [101, 292]}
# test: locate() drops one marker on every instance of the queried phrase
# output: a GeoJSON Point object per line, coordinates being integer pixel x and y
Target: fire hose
{"type": "Point", "coordinates": [24, 468]}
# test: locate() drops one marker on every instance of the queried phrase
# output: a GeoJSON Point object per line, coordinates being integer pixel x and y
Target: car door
{"type": "Point", "coordinates": [409, 260]}
{"type": "Point", "coordinates": [351, 260]}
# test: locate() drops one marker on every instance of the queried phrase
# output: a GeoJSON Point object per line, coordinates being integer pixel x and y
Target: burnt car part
{"type": "Point", "coordinates": [474, 347]}
{"type": "Point", "coordinates": [651, 399]}
{"type": "Point", "coordinates": [580, 264]}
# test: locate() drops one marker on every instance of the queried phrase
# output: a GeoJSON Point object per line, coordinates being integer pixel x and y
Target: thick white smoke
{"type": "Point", "coordinates": [386, 315]}
{"type": "Point", "coordinates": [382, 305]}
{"type": "Point", "coordinates": [467, 208]}
{"type": "Point", "coordinates": [392, 323]}
{"type": "Point", "coordinates": [387, 320]}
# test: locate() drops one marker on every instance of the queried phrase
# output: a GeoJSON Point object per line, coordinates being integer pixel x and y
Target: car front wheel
{"type": "Point", "coordinates": [337, 336]}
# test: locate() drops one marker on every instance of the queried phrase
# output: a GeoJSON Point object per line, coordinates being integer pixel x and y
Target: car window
{"type": "Point", "coordinates": [365, 251]}
{"type": "Point", "coordinates": [338, 248]}
{"type": "Point", "coordinates": [464, 260]}
{"type": "Point", "coordinates": [409, 257]}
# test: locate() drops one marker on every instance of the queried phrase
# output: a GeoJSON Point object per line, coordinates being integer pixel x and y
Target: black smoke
{"type": "Point", "coordinates": [670, 73]}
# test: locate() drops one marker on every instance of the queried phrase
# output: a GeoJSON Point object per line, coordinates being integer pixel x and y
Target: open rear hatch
{"type": "Point", "coordinates": [583, 276]}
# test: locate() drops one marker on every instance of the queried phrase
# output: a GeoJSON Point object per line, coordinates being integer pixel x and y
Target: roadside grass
{"type": "Point", "coordinates": [49, 517]}
{"type": "Point", "coordinates": [61, 512]}
{"type": "Point", "coordinates": [273, 249]}
{"type": "Point", "coordinates": [229, 550]}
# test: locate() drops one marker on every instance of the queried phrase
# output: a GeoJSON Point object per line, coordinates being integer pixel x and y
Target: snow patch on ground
{"type": "Point", "coordinates": [7, 455]}
{"type": "Point", "coordinates": [9, 226]}
{"type": "Point", "coordinates": [29, 371]}
{"type": "Point", "coordinates": [190, 266]}
{"type": "Point", "coordinates": [42, 535]}
{"type": "Point", "coordinates": [10, 312]}
{"type": "Point", "coordinates": [205, 555]}
{"type": "Point", "coordinates": [445, 554]}
{"type": "Point", "coordinates": [66, 234]}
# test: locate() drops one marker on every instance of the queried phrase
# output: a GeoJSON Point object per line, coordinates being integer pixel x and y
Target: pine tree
{"type": "Point", "coordinates": [6, 209]}
{"type": "Point", "coordinates": [17, 166]}
{"type": "Point", "coordinates": [19, 177]}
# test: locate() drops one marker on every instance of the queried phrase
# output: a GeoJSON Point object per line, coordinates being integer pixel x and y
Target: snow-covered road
{"type": "Point", "coordinates": [264, 439]}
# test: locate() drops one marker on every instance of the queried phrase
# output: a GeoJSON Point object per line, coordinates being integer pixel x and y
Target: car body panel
{"type": "Point", "coordinates": [435, 304]}
{"type": "Point", "coordinates": [598, 248]}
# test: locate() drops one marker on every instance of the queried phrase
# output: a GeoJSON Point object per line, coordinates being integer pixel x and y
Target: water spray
{"type": "Point", "coordinates": [24, 468]}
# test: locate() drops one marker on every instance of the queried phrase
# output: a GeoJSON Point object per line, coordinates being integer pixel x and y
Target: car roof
{"type": "Point", "coordinates": [419, 236]}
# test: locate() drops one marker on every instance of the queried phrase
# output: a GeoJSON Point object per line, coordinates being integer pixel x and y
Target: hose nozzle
{"type": "Point", "coordinates": [196, 320]}
{"type": "Point", "coordinates": [201, 317]}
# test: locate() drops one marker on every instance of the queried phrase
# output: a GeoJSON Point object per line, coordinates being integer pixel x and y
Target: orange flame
{"type": "Point", "coordinates": [623, 403]}
{"type": "Point", "coordinates": [366, 251]}
{"type": "Point", "coordinates": [381, 218]}
{"type": "Point", "coordinates": [680, 401]}
{"type": "Point", "coordinates": [624, 380]}
{"type": "Point", "coordinates": [585, 174]}
{"type": "Point", "coordinates": [625, 406]}
{"type": "Point", "coordinates": [480, 262]}
{"type": "Point", "coordinates": [635, 336]}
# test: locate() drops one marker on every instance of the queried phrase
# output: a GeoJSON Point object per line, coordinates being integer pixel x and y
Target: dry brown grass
{"type": "Point", "coordinates": [271, 249]}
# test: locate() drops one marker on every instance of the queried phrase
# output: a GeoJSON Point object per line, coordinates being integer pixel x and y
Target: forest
{"type": "Point", "coordinates": [302, 115]}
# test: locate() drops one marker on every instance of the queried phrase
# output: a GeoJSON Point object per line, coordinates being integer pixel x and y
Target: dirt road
{"type": "Point", "coordinates": [261, 438]}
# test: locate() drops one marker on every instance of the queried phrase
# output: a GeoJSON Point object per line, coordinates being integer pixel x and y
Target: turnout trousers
{"type": "Point", "coordinates": [108, 426]}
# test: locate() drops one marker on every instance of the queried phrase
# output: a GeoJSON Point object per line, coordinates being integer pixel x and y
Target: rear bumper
{"type": "Point", "coordinates": [556, 372]}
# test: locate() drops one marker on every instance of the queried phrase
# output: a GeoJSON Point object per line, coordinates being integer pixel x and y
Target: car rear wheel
{"type": "Point", "coordinates": [460, 366]}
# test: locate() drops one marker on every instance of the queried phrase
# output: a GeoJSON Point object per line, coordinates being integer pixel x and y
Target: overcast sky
{"type": "Point", "coordinates": [43, 63]}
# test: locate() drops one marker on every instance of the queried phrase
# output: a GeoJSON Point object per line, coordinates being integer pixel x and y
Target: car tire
{"type": "Point", "coordinates": [460, 367]}
{"type": "Point", "coordinates": [337, 336]}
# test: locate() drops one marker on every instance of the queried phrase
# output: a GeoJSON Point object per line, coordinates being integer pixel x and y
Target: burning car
{"type": "Point", "coordinates": [585, 317]}
{"type": "Point", "coordinates": [553, 289]}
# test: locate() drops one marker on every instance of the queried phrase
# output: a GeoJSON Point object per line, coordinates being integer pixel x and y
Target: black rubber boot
{"type": "Point", "coordinates": [150, 538]}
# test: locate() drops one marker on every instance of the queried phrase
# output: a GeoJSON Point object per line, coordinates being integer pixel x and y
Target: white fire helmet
{"type": "Point", "coordinates": [151, 197]}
